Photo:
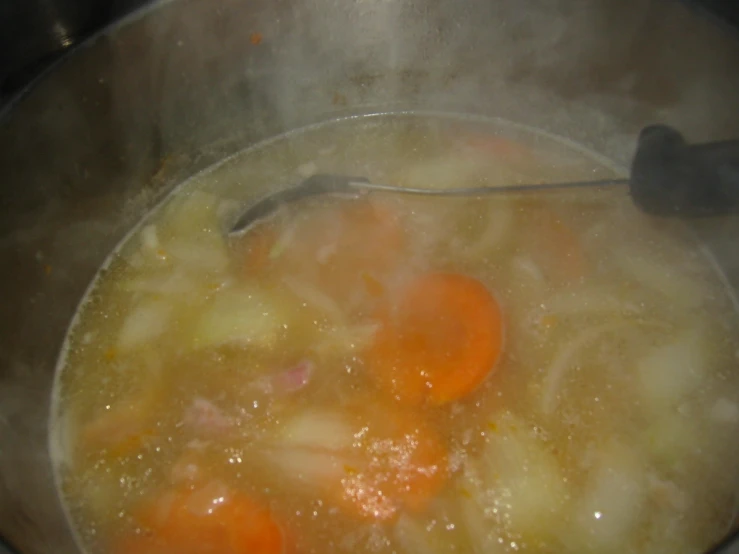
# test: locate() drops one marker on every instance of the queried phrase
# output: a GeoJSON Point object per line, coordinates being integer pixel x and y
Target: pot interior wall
{"type": "Point", "coordinates": [96, 142]}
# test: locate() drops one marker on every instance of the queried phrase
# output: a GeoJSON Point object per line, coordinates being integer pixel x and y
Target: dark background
{"type": "Point", "coordinates": [35, 33]}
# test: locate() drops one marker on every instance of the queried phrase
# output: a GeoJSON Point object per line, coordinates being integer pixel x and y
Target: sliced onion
{"type": "Point", "coordinates": [589, 301]}
{"type": "Point", "coordinates": [314, 297]}
{"type": "Point", "coordinates": [283, 241]}
{"type": "Point", "coordinates": [564, 361]}
{"type": "Point", "coordinates": [169, 283]}
{"type": "Point", "coordinates": [525, 269]}
{"type": "Point", "coordinates": [144, 324]}
{"type": "Point", "coordinates": [666, 280]}
{"type": "Point", "coordinates": [499, 222]}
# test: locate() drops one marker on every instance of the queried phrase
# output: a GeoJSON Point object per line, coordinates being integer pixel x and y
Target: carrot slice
{"type": "Point", "coordinates": [205, 520]}
{"type": "Point", "coordinates": [442, 341]}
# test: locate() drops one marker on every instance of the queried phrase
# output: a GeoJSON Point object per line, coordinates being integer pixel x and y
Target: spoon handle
{"type": "Point", "coordinates": [670, 177]}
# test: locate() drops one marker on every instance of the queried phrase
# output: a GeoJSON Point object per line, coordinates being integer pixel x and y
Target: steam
{"type": "Point", "coordinates": [122, 121]}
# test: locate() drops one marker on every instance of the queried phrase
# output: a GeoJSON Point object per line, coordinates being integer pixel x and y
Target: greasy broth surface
{"type": "Point", "coordinates": [608, 425]}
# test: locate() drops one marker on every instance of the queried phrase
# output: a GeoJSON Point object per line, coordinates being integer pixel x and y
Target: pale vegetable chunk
{"type": "Point", "coordinates": [672, 371]}
{"type": "Point", "coordinates": [317, 430]}
{"type": "Point", "coordinates": [207, 255]}
{"type": "Point", "coordinates": [147, 322]}
{"type": "Point", "coordinates": [241, 316]}
{"type": "Point", "coordinates": [163, 283]}
{"type": "Point", "coordinates": [613, 502]}
{"type": "Point", "coordinates": [521, 480]}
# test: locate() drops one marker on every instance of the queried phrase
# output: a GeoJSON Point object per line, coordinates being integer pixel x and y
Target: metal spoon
{"type": "Point", "coordinates": [668, 177]}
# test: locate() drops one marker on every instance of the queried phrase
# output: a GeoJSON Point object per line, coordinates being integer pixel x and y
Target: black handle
{"type": "Point", "coordinates": [671, 177]}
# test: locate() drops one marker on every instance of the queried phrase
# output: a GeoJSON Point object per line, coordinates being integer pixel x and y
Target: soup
{"type": "Point", "coordinates": [540, 372]}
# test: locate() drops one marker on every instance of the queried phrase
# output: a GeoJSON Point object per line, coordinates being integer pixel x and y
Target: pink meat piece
{"type": "Point", "coordinates": [294, 378]}
{"type": "Point", "coordinates": [287, 381]}
{"type": "Point", "coordinates": [205, 417]}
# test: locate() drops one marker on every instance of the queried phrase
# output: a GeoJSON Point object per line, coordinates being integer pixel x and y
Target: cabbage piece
{"type": "Point", "coordinates": [308, 448]}
{"type": "Point", "coordinates": [612, 504]}
{"type": "Point", "coordinates": [517, 486]}
{"type": "Point", "coordinates": [518, 464]}
{"type": "Point", "coordinates": [670, 372]}
{"type": "Point", "coordinates": [245, 316]}
{"type": "Point", "coordinates": [146, 323]}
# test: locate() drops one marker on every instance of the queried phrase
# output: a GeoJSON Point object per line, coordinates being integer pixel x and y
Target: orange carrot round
{"type": "Point", "coordinates": [203, 520]}
{"type": "Point", "coordinates": [440, 343]}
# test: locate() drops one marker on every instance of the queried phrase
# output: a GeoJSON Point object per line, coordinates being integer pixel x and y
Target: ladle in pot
{"type": "Point", "coordinates": [669, 177]}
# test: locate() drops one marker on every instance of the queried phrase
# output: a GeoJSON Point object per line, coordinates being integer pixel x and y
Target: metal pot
{"type": "Point", "coordinates": [97, 141]}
